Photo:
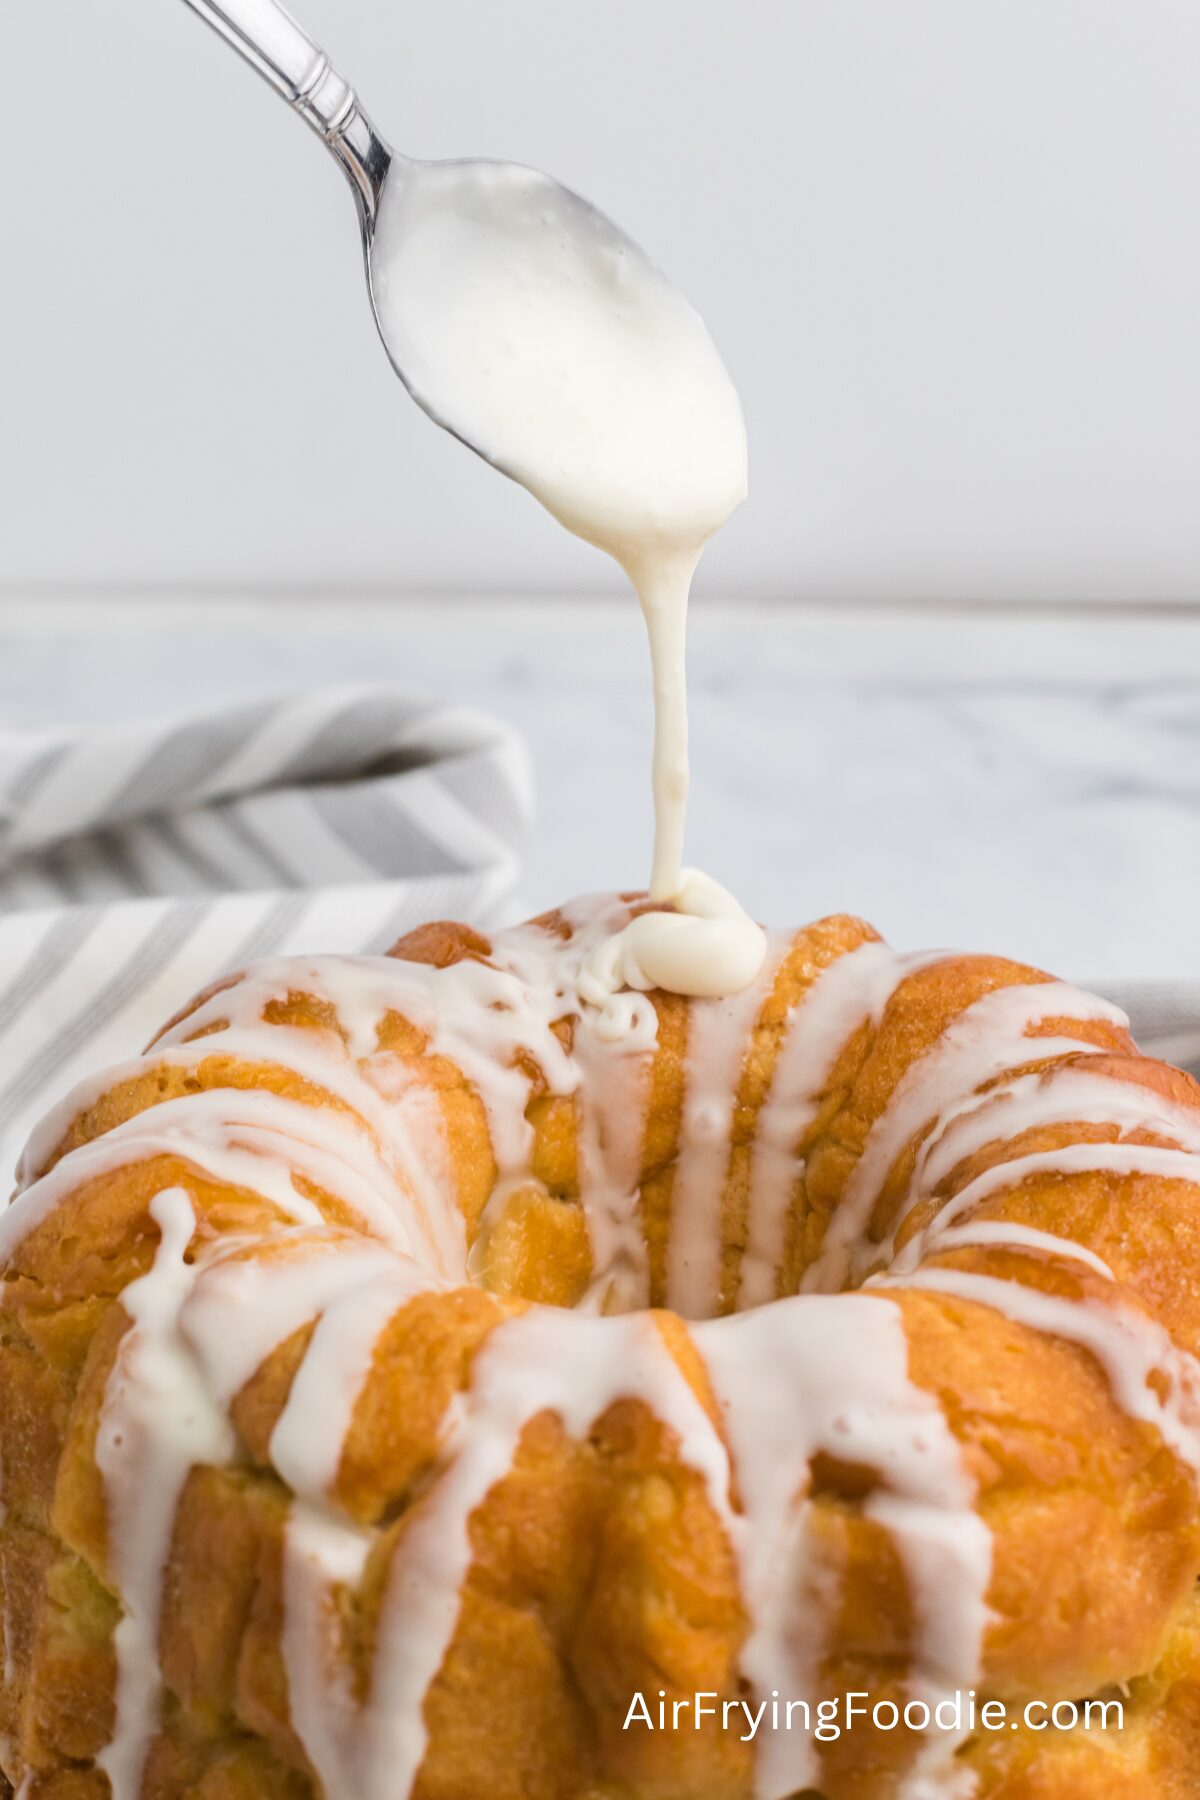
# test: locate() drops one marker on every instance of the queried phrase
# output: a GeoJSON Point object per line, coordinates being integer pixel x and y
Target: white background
{"type": "Point", "coordinates": [950, 249]}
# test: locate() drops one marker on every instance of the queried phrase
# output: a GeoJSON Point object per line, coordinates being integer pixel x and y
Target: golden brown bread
{"type": "Point", "coordinates": [601, 1561]}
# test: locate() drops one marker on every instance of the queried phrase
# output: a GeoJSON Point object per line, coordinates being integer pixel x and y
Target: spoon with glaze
{"type": "Point", "coordinates": [522, 320]}
{"type": "Point", "coordinates": [526, 323]}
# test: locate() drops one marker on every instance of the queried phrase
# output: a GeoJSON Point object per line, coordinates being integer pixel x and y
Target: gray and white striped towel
{"type": "Point", "coordinates": [137, 864]}
{"type": "Point", "coordinates": [1164, 1016]}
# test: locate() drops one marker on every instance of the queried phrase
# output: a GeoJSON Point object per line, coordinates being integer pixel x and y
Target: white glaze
{"type": "Point", "coordinates": [1067, 1159]}
{"type": "Point", "coordinates": [718, 1037]}
{"type": "Point", "coordinates": [833, 1403]}
{"type": "Point", "coordinates": [706, 946]}
{"type": "Point", "coordinates": [158, 1422]}
{"type": "Point", "coordinates": [1070, 1094]}
{"type": "Point", "coordinates": [830, 1374]}
{"type": "Point", "coordinates": [198, 1333]}
{"type": "Point", "coordinates": [312, 1429]}
{"type": "Point", "coordinates": [854, 988]}
{"type": "Point", "coordinates": [242, 1138]}
{"type": "Point", "coordinates": [249, 1301]}
{"type": "Point", "coordinates": [986, 1039]}
{"type": "Point", "coordinates": [533, 328]}
{"type": "Point", "coordinates": [529, 1366]}
{"type": "Point", "coordinates": [612, 1102]}
{"type": "Point", "coordinates": [1129, 1346]}
{"type": "Point", "coordinates": [1004, 1234]}
{"type": "Point", "coordinates": [322, 1552]}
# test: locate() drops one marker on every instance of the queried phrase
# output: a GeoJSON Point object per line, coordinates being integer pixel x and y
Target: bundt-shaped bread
{"type": "Point", "coordinates": [416, 1381]}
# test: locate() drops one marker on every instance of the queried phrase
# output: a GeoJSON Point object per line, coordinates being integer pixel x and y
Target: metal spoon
{"type": "Point", "coordinates": [285, 56]}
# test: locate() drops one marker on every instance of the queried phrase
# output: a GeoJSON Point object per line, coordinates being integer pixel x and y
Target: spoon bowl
{"type": "Point", "coordinates": [524, 321]}
{"type": "Point", "coordinates": [451, 251]}
{"type": "Point", "coordinates": [529, 325]}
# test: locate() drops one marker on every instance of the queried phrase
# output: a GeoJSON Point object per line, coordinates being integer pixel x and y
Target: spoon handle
{"type": "Point", "coordinates": [271, 42]}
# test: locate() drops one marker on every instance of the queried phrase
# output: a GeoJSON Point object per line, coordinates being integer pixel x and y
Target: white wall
{"type": "Point", "coordinates": [951, 249]}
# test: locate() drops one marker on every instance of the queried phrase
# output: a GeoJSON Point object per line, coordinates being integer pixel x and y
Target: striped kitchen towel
{"type": "Point", "coordinates": [139, 863]}
{"type": "Point", "coordinates": [1164, 1017]}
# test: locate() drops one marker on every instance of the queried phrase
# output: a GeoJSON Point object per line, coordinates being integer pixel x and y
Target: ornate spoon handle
{"type": "Point", "coordinates": [272, 43]}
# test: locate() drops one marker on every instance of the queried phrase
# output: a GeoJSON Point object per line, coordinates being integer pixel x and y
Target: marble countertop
{"type": "Point", "coordinates": [1026, 782]}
